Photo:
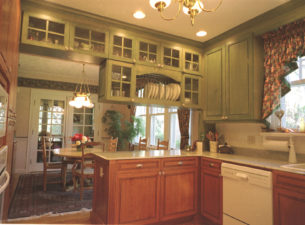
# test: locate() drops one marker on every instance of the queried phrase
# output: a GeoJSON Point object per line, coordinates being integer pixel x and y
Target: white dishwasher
{"type": "Point", "coordinates": [247, 195]}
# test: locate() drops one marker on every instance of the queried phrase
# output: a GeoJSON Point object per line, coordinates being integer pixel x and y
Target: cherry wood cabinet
{"type": "Point", "coordinates": [211, 190]}
{"type": "Point", "coordinates": [288, 198]}
{"type": "Point", "coordinates": [144, 191]}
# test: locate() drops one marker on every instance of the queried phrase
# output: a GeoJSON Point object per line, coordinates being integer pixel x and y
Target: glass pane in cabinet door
{"type": "Point", "coordinates": [56, 39]}
{"type": "Point", "coordinates": [188, 84]}
{"type": "Point", "coordinates": [167, 52]}
{"type": "Point", "coordinates": [97, 36]}
{"type": "Point", "coordinates": [188, 56]}
{"type": "Point", "coordinates": [195, 84]}
{"type": "Point", "coordinates": [83, 45]}
{"type": "Point", "coordinates": [143, 46]}
{"type": "Point", "coordinates": [115, 89]}
{"type": "Point", "coordinates": [116, 72]}
{"type": "Point", "coordinates": [167, 61]}
{"type": "Point", "coordinates": [187, 97]}
{"type": "Point", "coordinates": [37, 23]}
{"type": "Point", "coordinates": [57, 27]}
{"type": "Point", "coordinates": [126, 74]}
{"type": "Point", "coordinates": [88, 119]}
{"type": "Point", "coordinates": [81, 33]}
{"type": "Point", "coordinates": [176, 53]}
{"type": "Point", "coordinates": [187, 65]}
{"type": "Point", "coordinates": [175, 63]}
{"type": "Point", "coordinates": [36, 35]}
{"type": "Point", "coordinates": [195, 67]}
{"type": "Point", "coordinates": [196, 58]}
{"type": "Point", "coordinates": [152, 58]}
{"type": "Point", "coordinates": [195, 98]}
{"type": "Point", "coordinates": [127, 53]}
{"type": "Point", "coordinates": [153, 48]}
{"type": "Point", "coordinates": [77, 130]}
{"type": "Point", "coordinates": [126, 90]}
{"type": "Point", "coordinates": [117, 40]}
{"type": "Point", "coordinates": [78, 119]}
{"type": "Point", "coordinates": [98, 47]}
{"type": "Point", "coordinates": [117, 51]}
{"type": "Point", "coordinates": [89, 131]}
{"type": "Point", "coordinates": [127, 43]}
{"type": "Point", "coordinates": [143, 56]}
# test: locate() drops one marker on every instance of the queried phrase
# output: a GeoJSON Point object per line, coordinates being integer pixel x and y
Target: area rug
{"type": "Point", "coordinates": [30, 200]}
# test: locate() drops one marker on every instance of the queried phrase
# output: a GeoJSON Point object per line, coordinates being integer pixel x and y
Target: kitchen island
{"type": "Point", "coordinates": [144, 187]}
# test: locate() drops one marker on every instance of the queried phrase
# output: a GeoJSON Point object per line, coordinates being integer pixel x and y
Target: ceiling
{"type": "Point", "coordinates": [230, 14]}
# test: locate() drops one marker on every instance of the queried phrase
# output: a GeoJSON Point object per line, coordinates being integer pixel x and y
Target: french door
{"type": "Point", "coordinates": [48, 117]}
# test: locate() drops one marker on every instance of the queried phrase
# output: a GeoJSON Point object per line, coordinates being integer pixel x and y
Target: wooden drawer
{"type": "Point", "coordinates": [179, 162]}
{"type": "Point", "coordinates": [211, 164]}
{"type": "Point", "coordinates": [290, 181]}
{"type": "Point", "coordinates": [138, 164]}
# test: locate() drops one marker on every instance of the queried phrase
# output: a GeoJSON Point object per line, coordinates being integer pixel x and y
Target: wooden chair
{"type": "Point", "coordinates": [162, 145]}
{"type": "Point", "coordinates": [83, 169]}
{"type": "Point", "coordinates": [142, 144]}
{"type": "Point", "coordinates": [51, 166]}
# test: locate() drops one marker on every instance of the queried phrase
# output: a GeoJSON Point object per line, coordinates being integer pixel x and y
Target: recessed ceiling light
{"type": "Point", "coordinates": [139, 15]}
{"type": "Point", "coordinates": [201, 33]}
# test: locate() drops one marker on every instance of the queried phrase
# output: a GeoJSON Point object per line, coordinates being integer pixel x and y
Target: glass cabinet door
{"type": "Point", "coordinates": [44, 32]}
{"type": "Point", "coordinates": [148, 52]}
{"type": "Point", "coordinates": [122, 47]}
{"type": "Point", "coordinates": [171, 57]}
{"type": "Point", "coordinates": [191, 62]}
{"type": "Point", "coordinates": [89, 40]}
{"type": "Point", "coordinates": [191, 90]}
{"type": "Point", "coordinates": [120, 81]}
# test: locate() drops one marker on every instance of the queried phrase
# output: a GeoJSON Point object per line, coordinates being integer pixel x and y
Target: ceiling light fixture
{"type": "Point", "coordinates": [190, 7]}
{"type": "Point", "coordinates": [81, 96]}
{"type": "Point", "coordinates": [201, 33]}
{"type": "Point", "coordinates": [139, 15]}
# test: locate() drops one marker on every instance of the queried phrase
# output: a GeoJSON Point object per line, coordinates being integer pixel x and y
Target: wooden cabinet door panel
{"type": "Point", "coordinates": [238, 80]}
{"type": "Point", "coordinates": [179, 193]}
{"type": "Point", "coordinates": [214, 82]}
{"type": "Point", "coordinates": [137, 197]}
{"type": "Point", "coordinates": [211, 199]}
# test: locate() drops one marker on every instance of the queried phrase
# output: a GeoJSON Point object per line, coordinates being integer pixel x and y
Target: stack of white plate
{"type": "Point", "coordinates": [169, 92]}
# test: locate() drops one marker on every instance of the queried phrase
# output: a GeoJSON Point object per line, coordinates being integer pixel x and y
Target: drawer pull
{"type": "Point", "coordinates": [180, 163]}
{"type": "Point", "coordinates": [139, 165]}
{"type": "Point", "coordinates": [211, 164]}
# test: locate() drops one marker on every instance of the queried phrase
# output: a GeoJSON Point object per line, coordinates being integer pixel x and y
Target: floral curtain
{"type": "Point", "coordinates": [184, 119]}
{"type": "Point", "coordinates": [282, 47]}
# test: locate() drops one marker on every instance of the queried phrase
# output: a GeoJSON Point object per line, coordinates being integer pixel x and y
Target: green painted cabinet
{"type": "Point", "coordinates": [234, 80]}
{"type": "Point", "coordinates": [89, 41]}
{"type": "Point", "coordinates": [191, 91]}
{"type": "Point", "coordinates": [122, 47]}
{"type": "Point", "coordinates": [45, 31]}
{"type": "Point", "coordinates": [116, 81]}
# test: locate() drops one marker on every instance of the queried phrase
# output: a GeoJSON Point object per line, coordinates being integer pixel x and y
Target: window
{"type": "Point", "coordinates": [293, 102]}
{"type": "Point", "coordinates": [159, 123]}
{"type": "Point", "coordinates": [83, 122]}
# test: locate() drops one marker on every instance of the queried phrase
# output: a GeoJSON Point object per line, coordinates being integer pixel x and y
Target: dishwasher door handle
{"type": "Point", "coordinates": [242, 176]}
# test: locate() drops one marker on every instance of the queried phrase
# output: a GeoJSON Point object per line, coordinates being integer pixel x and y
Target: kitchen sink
{"type": "Point", "coordinates": [298, 166]}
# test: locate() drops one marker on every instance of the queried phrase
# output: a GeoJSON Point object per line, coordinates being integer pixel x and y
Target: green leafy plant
{"type": "Point", "coordinates": [125, 133]}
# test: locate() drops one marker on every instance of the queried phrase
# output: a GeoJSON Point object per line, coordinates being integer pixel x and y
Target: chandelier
{"type": "Point", "coordinates": [81, 96]}
{"type": "Point", "coordinates": [190, 7]}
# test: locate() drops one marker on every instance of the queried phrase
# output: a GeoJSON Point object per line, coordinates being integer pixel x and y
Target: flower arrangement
{"type": "Point", "coordinates": [80, 140]}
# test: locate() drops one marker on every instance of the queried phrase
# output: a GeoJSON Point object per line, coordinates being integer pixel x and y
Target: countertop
{"type": "Point", "coordinates": [265, 163]}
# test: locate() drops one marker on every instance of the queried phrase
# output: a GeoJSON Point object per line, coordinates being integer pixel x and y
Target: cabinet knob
{"type": "Point", "coordinates": [211, 165]}
{"type": "Point", "coordinates": [180, 163]}
{"type": "Point", "coordinates": [163, 173]}
{"type": "Point", "coordinates": [139, 165]}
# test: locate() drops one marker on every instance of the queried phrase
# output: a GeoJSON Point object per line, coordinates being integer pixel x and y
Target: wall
{"type": "Point", "coordinates": [247, 135]}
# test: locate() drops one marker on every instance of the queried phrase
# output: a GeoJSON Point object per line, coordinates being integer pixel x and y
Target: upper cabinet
{"type": "Point", "coordinates": [122, 47]}
{"type": "Point", "coordinates": [90, 41]}
{"type": "Point", "coordinates": [191, 94]}
{"type": "Point", "coordinates": [45, 31]}
{"type": "Point", "coordinates": [171, 57]}
{"type": "Point", "coordinates": [234, 80]}
{"type": "Point", "coordinates": [192, 62]}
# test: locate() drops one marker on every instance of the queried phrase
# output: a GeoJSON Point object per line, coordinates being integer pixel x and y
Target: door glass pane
{"type": "Point", "coordinates": [81, 33]}
{"type": "Point", "coordinates": [37, 23]}
{"type": "Point", "coordinates": [83, 122]}
{"type": "Point", "coordinates": [156, 129]}
{"type": "Point", "coordinates": [98, 36]}
{"type": "Point", "coordinates": [57, 27]}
